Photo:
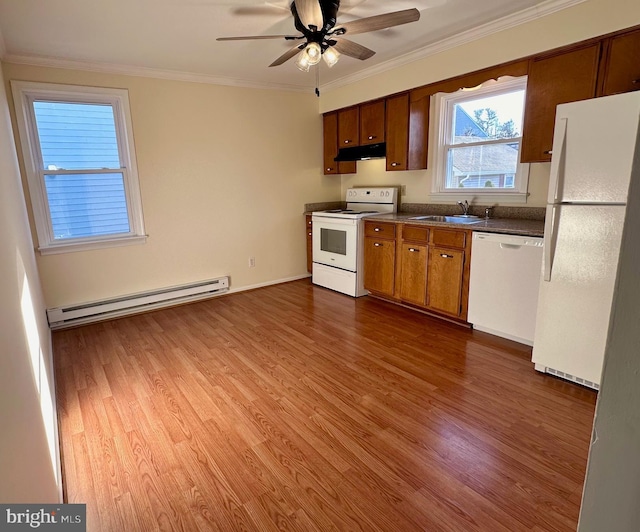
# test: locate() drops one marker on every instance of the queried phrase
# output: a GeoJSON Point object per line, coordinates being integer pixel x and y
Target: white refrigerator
{"type": "Point", "coordinates": [591, 164]}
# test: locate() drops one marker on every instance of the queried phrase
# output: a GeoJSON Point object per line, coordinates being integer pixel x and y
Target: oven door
{"type": "Point", "coordinates": [334, 242]}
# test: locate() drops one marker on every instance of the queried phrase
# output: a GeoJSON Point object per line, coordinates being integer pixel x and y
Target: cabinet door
{"type": "Point", "coordinates": [348, 127]}
{"type": "Point", "coordinates": [330, 147]}
{"type": "Point", "coordinates": [622, 64]}
{"type": "Point", "coordinates": [397, 132]}
{"type": "Point", "coordinates": [562, 78]}
{"type": "Point", "coordinates": [372, 122]}
{"type": "Point", "coordinates": [419, 102]}
{"type": "Point", "coordinates": [330, 142]}
{"type": "Point", "coordinates": [379, 265]}
{"type": "Point", "coordinates": [413, 274]}
{"type": "Point", "coordinates": [309, 229]}
{"type": "Point", "coordinates": [444, 280]}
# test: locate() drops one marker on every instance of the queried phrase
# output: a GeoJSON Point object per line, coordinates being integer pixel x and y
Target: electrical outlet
{"type": "Point", "coordinates": [252, 262]}
{"type": "Point", "coordinates": [403, 190]}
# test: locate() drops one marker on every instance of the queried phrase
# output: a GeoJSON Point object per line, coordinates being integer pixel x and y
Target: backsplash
{"type": "Point", "coordinates": [324, 206]}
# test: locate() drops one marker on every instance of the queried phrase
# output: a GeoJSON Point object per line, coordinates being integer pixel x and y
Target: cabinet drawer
{"type": "Point", "coordinates": [448, 237]}
{"type": "Point", "coordinates": [380, 230]}
{"type": "Point", "coordinates": [415, 233]}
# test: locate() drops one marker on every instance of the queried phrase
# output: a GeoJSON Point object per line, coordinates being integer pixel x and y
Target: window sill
{"type": "Point", "coordinates": [70, 247]}
{"type": "Point", "coordinates": [480, 197]}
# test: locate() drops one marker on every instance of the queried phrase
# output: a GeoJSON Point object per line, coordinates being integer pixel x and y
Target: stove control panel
{"type": "Point", "coordinates": [383, 195]}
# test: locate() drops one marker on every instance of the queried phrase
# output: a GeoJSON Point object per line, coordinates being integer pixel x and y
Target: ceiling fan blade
{"type": "Point", "coordinates": [353, 49]}
{"type": "Point", "coordinates": [310, 13]}
{"type": "Point", "coordinates": [287, 55]}
{"type": "Point", "coordinates": [379, 22]}
{"type": "Point", "coordinates": [254, 37]}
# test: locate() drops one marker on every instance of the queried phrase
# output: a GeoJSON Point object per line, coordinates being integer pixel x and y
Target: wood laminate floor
{"type": "Point", "coordinates": [296, 408]}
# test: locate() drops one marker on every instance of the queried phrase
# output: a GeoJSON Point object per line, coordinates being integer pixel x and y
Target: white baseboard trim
{"type": "Point", "coordinates": [233, 290]}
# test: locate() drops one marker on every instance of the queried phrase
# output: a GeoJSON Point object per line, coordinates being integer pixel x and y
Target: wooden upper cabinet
{"type": "Point", "coordinates": [397, 126]}
{"type": "Point", "coordinates": [372, 122]}
{"type": "Point", "coordinates": [419, 103]}
{"type": "Point", "coordinates": [330, 147]}
{"type": "Point", "coordinates": [330, 142]}
{"type": "Point", "coordinates": [621, 66]}
{"type": "Point", "coordinates": [566, 77]}
{"type": "Point", "coordinates": [348, 127]}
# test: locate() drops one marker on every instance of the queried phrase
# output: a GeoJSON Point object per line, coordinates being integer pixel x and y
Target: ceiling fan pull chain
{"type": "Point", "coordinates": [318, 80]}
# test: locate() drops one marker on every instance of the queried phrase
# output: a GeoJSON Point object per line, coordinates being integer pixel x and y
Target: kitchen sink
{"type": "Point", "coordinates": [468, 219]}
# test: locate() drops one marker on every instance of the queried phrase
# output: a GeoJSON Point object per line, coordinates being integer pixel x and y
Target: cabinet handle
{"type": "Point", "coordinates": [377, 229]}
{"type": "Point", "coordinates": [310, 234]}
{"type": "Point", "coordinates": [414, 250]}
{"type": "Point", "coordinates": [347, 141]}
{"type": "Point", "coordinates": [377, 244]}
{"type": "Point", "coordinates": [636, 81]}
{"type": "Point", "coordinates": [395, 164]}
{"type": "Point", "coordinates": [371, 137]}
{"type": "Point", "coordinates": [445, 256]}
{"type": "Point", "coordinates": [548, 152]}
{"type": "Point", "coordinates": [329, 169]}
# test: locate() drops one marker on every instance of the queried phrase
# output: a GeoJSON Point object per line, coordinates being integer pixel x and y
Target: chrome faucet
{"type": "Point", "coordinates": [465, 207]}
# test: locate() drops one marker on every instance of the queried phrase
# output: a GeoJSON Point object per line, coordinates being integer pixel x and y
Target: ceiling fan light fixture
{"type": "Point", "coordinates": [303, 61]}
{"type": "Point", "coordinates": [314, 53]}
{"type": "Point", "coordinates": [331, 56]}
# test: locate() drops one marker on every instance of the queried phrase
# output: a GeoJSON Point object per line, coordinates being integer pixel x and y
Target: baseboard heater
{"type": "Point", "coordinates": [567, 376]}
{"type": "Point", "coordinates": [69, 316]}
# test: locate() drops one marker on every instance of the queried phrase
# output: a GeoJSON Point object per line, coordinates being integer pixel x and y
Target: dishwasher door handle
{"type": "Point", "coordinates": [504, 245]}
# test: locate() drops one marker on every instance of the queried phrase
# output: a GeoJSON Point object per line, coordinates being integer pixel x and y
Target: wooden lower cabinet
{"type": "Point", "coordinates": [427, 267]}
{"type": "Point", "coordinates": [380, 257]}
{"type": "Point", "coordinates": [379, 265]}
{"type": "Point", "coordinates": [413, 273]}
{"type": "Point", "coordinates": [309, 228]}
{"type": "Point", "coordinates": [445, 280]}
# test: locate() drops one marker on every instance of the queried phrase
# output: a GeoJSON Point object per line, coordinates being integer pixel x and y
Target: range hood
{"type": "Point", "coordinates": [360, 153]}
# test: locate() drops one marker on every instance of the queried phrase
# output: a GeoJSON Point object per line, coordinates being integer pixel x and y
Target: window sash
{"type": "Point", "coordinates": [24, 94]}
{"type": "Point", "coordinates": [443, 108]}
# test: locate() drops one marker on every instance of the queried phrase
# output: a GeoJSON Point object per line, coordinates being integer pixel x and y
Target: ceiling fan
{"type": "Point", "coordinates": [317, 22]}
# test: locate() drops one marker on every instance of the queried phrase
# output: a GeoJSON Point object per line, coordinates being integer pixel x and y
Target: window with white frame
{"type": "Point", "coordinates": [479, 135]}
{"type": "Point", "coordinates": [79, 156]}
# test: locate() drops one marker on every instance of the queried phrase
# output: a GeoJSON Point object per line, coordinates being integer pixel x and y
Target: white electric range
{"type": "Point", "coordinates": [338, 238]}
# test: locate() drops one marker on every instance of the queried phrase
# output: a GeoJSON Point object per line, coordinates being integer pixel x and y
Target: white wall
{"type": "Point", "coordinates": [585, 20]}
{"type": "Point", "coordinates": [28, 450]}
{"type": "Point", "coordinates": [224, 175]}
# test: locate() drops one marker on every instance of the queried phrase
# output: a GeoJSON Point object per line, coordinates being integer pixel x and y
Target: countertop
{"type": "Point", "coordinates": [525, 221]}
{"type": "Point", "coordinates": [511, 226]}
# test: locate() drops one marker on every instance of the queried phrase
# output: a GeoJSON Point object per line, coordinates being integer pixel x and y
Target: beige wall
{"type": "Point", "coordinates": [224, 175]}
{"type": "Point", "coordinates": [585, 20]}
{"type": "Point", "coordinates": [28, 449]}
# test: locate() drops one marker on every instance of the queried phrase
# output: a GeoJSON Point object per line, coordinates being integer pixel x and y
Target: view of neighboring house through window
{"type": "Point", "coordinates": [82, 178]}
{"type": "Point", "coordinates": [480, 132]}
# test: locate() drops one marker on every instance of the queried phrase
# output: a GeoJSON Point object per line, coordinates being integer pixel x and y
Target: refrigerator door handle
{"type": "Point", "coordinates": [557, 160]}
{"type": "Point", "coordinates": [549, 242]}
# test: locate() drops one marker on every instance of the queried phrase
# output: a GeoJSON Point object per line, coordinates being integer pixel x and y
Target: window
{"type": "Point", "coordinates": [79, 157]}
{"type": "Point", "coordinates": [478, 148]}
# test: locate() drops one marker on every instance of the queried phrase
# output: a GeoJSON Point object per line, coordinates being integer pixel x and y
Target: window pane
{"type": "Point", "coordinates": [487, 118]}
{"type": "Point", "coordinates": [87, 204]}
{"type": "Point", "coordinates": [492, 166]}
{"type": "Point", "coordinates": [76, 136]}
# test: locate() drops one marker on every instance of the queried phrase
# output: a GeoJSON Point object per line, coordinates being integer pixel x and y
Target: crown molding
{"type": "Point", "coordinates": [521, 17]}
{"type": "Point", "coordinates": [128, 70]}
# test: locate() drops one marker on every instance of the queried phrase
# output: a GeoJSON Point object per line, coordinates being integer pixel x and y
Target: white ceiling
{"type": "Point", "coordinates": [177, 38]}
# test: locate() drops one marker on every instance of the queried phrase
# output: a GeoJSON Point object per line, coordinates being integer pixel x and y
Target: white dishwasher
{"type": "Point", "coordinates": [504, 283]}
